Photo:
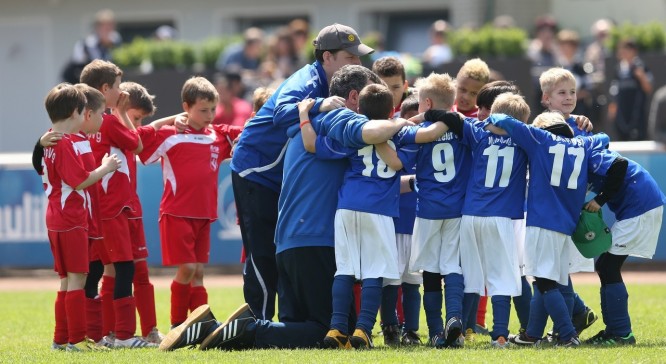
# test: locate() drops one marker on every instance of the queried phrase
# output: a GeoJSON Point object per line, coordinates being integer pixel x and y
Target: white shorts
{"type": "Point", "coordinates": [489, 257]}
{"type": "Point", "coordinates": [365, 245]}
{"type": "Point", "coordinates": [637, 236]}
{"type": "Point", "coordinates": [577, 262]}
{"type": "Point", "coordinates": [435, 246]}
{"type": "Point", "coordinates": [547, 254]}
{"type": "Point", "coordinates": [404, 245]}
{"type": "Point", "coordinates": [519, 233]}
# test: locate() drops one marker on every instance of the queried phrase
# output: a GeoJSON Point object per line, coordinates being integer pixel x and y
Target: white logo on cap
{"type": "Point", "coordinates": [590, 235]}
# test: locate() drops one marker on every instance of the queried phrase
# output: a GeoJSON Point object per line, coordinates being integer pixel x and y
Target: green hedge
{"type": "Point", "coordinates": [650, 37]}
{"type": "Point", "coordinates": [488, 41]}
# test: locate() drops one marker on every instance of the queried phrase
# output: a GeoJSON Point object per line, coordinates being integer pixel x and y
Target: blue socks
{"type": "Point", "coordinates": [432, 304]}
{"type": "Point", "coordinates": [371, 297]}
{"type": "Point", "coordinates": [579, 306]}
{"type": "Point", "coordinates": [342, 301]}
{"type": "Point", "coordinates": [538, 315]}
{"type": "Point", "coordinates": [617, 308]}
{"type": "Point", "coordinates": [556, 308]}
{"type": "Point", "coordinates": [470, 306]}
{"type": "Point", "coordinates": [389, 300]}
{"type": "Point", "coordinates": [411, 306]}
{"type": "Point", "coordinates": [522, 303]}
{"type": "Point", "coordinates": [453, 295]}
{"type": "Point", "coordinates": [501, 313]}
{"type": "Point", "coordinates": [604, 309]}
{"type": "Point", "coordinates": [568, 295]}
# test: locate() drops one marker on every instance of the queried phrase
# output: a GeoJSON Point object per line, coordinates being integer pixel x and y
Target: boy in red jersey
{"type": "Point", "coordinates": [64, 178]}
{"type": "Point", "coordinates": [190, 162]}
{"type": "Point", "coordinates": [469, 80]}
{"type": "Point", "coordinates": [116, 135]}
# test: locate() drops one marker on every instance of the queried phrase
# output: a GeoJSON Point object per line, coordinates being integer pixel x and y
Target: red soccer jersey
{"type": "Point", "coordinates": [135, 203]}
{"type": "Point", "coordinates": [62, 171]}
{"type": "Point", "coordinates": [113, 138]}
{"type": "Point", "coordinates": [82, 146]}
{"type": "Point", "coordinates": [190, 163]}
{"type": "Point", "coordinates": [473, 113]}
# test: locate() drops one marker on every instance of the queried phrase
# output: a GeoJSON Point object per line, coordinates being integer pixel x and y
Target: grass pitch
{"type": "Point", "coordinates": [26, 332]}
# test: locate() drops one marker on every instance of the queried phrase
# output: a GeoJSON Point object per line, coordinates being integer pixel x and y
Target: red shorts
{"type": "Point", "coordinates": [117, 239]}
{"type": "Point", "coordinates": [70, 251]}
{"type": "Point", "coordinates": [138, 238]}
{"type": "Point", "coordinates": [98, 251]}
{"type": "Point", "coordinates": [184, 240]}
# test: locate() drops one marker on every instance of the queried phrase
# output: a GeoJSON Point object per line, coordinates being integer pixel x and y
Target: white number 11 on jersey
{"type": "Point", "coordinates": [494, 152]}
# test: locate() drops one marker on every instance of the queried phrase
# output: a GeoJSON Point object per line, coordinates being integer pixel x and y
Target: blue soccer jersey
{"type": "Point", "coordinates": [442, 172]}
{"type": "Point", "coordinates": [499, 174]}
{"type": "Point", "coordinates": [577, 132]}
{"type": "Point", "coordinates": [404, 224]}
{"type": "Point", "coordinates": [639, 193]}
{"type": "Point", "coordinates": [558, 173]}
{"type": "Point", "coordinates": [370, 185]}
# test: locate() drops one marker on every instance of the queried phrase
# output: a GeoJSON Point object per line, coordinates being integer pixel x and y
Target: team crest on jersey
{"type": "Point", "coordinates": [214, 154]}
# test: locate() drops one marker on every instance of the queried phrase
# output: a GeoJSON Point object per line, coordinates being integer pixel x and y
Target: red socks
{"type": "Point", "coordinates": [125, 310]}
{"type": "Point", "coordinates": [60, 336]}
{"type": "Point", "coordinates": [357, 298]}
{"type": "Point", "coordinates": [144, 294]}
{"type": "Point", "coordinates": [75, 302]}
{"type": "Point", "coordinates": [198, 297]}
{"type": "Point", "coordinates": [108, 314]}
{"type": "Point", "coordinates": [180, 302]}
{"type": "Point", "coordinates": [94, 318]}
{"type": "Point", "coordinates": [481, 312]}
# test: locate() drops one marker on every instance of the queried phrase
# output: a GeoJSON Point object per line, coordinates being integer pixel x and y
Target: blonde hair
{"type": "Point", "coordinates": [512, 105]}
{"type": "Point", "coordinates": [547, 119]}
{"type": "Point", "coordinates": [440, 88]}
{"type": "Point", "coordinates": [475, 69]}
{"type": "Point", "coordinates": [552, 77]}
{"type": "Point", "coordinates": [260, 96]}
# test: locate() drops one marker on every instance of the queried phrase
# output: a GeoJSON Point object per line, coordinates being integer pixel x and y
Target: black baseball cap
{"type": "Point", "coordinates": [338, 36]}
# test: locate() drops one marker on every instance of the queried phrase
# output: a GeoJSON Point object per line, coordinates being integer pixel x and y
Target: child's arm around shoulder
{"type": "Point", "coordinates": [109, 164]}
{"type": "Point", "coordinates": [307, 131]}
{"type": "Point", "coordinates": [120, 111]}
{"type": "Point", "coordinates": [389, 156]}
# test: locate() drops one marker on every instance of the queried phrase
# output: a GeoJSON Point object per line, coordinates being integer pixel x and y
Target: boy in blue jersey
{"type": "Point", "coordinates": [257, 162]}
{"type": "Point", "coordinates": [558, 87]}
{"type": "Point", "coordinates": [559, 168]}
{"type": "Point", "coordinates": [401, 299]}
{"type": "Point", "coordinates": [441, 179]}
{"type": "Point", "coordinates": [365, 245]}
{"type": "Point", "coordinates": [638, 205]}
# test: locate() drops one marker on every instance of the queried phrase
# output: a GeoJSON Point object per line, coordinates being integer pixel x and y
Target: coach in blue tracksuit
{"type": "Point", "coordinates": [258, 159]}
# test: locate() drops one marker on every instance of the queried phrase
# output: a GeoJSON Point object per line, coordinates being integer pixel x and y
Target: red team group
{"type": "Point", "coordinates": [94, 219]}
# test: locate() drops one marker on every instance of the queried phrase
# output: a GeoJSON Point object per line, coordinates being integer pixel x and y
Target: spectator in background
{"type": "Point", "coordinates": [282, 59]}
{"type": "Point", "coordinates": [166, 32]}
{"type": "Point", "coordinates": [570, 59]}
{"type": "Point", "coordinates": [630, 91]}
{"type": "Point", "coordinates": [595, 64]}
{"type": "Point", "coordinates": [439, 52]}
{"type": "Point", "coordinates": [246, 55]}
{"type": "Point", "coordinates": [300, 33]}
{"type": "Point", "coordinates": [231, 109]}
{"type": "Point", "coordinates": [543, 53]}
{"type": "Point", "coordinates": [97, 45]}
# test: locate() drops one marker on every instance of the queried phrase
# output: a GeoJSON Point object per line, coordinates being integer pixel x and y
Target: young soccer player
{"type": "Point", "coordinates": [140, 106]}
{"type": "Point", "coordinates": [65, 179]}
{"type": "Point", "coordinates": [558, 87]}
{"type": "Point", "coordinates": [638, 204]}
{"type": "Point", "coordinates": [401, 299]}
{"type": "Point", "coordinates": [364, 231]}
{"type": "Point", "coordinates": [117, 134]}
{"type": "Point", "coordinates": [189, 203]}
{"type": "Point", "coordinates": [472, 76]}
{"type": "Point", "coordinates": [558, 169]}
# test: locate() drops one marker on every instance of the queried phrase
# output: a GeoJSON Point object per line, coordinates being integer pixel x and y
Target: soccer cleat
{"type": "Point", "coordinates": [335, 339]}
{"type": "Point", "coordinates": [574, 342]}
{"type": "Point", "coordinates": [612, 340]}
{"type": "Point", "coordinates": [134, 342]}
{"type": "Point", "coordinates": [193, 331]}
{"type": "Point", "coordinates": [481, 330]}
{"type": "Point", "coordinates": [500, 343]}
{"type": "Point", "coordinates": [512, 336]}
{"type": "Point", "coordinates": [55, 346]}
{"type": "Point", "coordinates": [523, 339]}
{"type": "Point", "coordinates": [154, 336]}
{"type": "Point", "coordinates": [584, 320]}
{"type": "Point", "coordinates": [391, 335]}
{"type": "Point", "coordinates": [85, 345]}
{"type": "Point", "coordinates": [107, 341]}
{"type": "Point", "coordinates": [437, 341]}
{"type": "Point", "coordinates": [360, 340]}
{"type": "Point", "coordinates": [597, 339]}
{"type": "Point", "coordinates": [235, 335]}
{"type": "Point", "coordinates": [452, 330]}
{"type": "Point", "coordinates": [470, 335]}
{"type": "Point", "coordinates": [410, 337]}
